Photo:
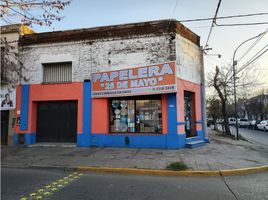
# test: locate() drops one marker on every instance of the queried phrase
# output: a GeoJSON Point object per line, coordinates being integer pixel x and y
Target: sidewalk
{"type": "Point", "coordinates": [220, 153]}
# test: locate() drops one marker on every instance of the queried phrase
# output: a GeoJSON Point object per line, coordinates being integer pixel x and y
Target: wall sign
{"type": "Point", "coordinates": [154, 79]}
{"type": "Point", "coordinates": [7, 98]}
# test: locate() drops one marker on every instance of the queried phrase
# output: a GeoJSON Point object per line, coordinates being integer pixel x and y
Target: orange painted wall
{"type": "Point", "coordinates": [164, 114]}
{"type": "Point", "coordinates": [18, 103]}
{"type": "Point", "coordinates": [100, 116]}
{"type": "Point", "coordinates": [182, 86]}
{"type": "Point", "coordinates": [51, 92]}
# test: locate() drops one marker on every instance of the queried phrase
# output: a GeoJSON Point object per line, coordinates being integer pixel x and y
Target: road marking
{"type": "Point", "coordinates": [47, 193]}
{"type": "Point", "coordinates": [48, 190]}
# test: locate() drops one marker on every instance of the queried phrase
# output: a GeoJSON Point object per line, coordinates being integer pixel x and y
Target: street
{"type": "Point", "coordinates": [58, 185]}
{"type": "Point", "coordinates": [256, 136]}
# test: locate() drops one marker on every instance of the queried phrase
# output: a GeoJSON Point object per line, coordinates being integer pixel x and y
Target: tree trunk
{"type": "Point", "coordinates": [223, 102]}
{"type": "Point", "coordinates": [225, 117]}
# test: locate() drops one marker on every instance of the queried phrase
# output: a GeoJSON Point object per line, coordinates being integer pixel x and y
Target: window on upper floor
{"type": "Point", "coordinates": [57, 72]}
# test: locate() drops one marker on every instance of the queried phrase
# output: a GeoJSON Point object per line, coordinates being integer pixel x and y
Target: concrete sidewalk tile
{"type": "Point", "coordinates": [220, 153]}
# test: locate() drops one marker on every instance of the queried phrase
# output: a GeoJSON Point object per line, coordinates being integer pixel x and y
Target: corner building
{"type": "Point", "coordinates": [132, 85]}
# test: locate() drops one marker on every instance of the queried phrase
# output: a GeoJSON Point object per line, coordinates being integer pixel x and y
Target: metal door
{"type": "Point", "coordinates": [4, 126]}
{"type": "Point", "coordinates": [56, 121]}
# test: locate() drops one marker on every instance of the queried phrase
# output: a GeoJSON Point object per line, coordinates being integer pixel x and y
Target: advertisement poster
{"type": "Point", "coordinates": [7, 98]}
{"type": "Point", "coordinates": [154, 79]}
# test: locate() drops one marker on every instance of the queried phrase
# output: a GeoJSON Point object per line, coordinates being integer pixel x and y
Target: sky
{"type": "Point", "coordinates": [223, 40]}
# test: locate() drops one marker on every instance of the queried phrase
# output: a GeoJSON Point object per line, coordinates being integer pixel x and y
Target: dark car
{"type": "Point", "coordinates": [253, 124]}
{"type": "Point", "coordinates": [210, 122]}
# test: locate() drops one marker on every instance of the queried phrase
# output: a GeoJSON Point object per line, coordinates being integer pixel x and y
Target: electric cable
{"type": "Point", "coordinates": [213, 21]}
{"type": "Point", "coordinates": [254, 44]}
{"type": "Point", "coordinates": [254, 59]}
{"type": "Point", "coordinates": [245, 24]}
{"type": "Point", "coordinates": [224, 17]}
{"type": "Point", "coordinates": [174, 9]}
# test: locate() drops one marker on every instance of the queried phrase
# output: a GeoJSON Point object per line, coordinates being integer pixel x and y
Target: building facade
{"type": "Point", "coordinates": [9, 78]}
{"type": "Point", "coordinates": [131, 85]}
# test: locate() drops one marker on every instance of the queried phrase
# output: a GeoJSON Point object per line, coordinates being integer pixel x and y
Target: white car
{"type": "Point", "coordinates": [263, 125]}
{"type": "Point", "coordinates": [231, 121]}
{"type": "Point", "coordinates": [243, 122]}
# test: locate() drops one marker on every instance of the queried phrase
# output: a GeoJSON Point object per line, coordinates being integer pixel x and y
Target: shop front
{"type": "Point", "coordinates": [141, 107]}
{"type": "Point", "coordinates": [136, 107]}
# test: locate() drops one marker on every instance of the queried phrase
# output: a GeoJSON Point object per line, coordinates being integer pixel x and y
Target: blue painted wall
{"type": "Point", "coordinates": [25, 89]}
{"type": "Point", "coordinates": [84, 139]}
{"type": "Point", "coordinates": [135, 140]}
{"type": "Point", "coordinates": [172, 136]}
{"type": "Point", "coordinates": [29, 138]}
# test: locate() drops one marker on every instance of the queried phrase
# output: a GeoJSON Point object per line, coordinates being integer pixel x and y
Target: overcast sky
{"type": "Point", "coordinates": [223, 40]}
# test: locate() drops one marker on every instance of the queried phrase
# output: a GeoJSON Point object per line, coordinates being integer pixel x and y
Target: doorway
{"type": "Point", "coordinates": [56, 121]}
{"type": "Point", "coordinates": [4, 126]}
{"type": "Point", "coordinates": [189, 114]}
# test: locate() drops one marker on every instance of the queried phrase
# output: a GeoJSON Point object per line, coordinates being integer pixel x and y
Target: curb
{"type": "Point", "coordinates": [231, 172]}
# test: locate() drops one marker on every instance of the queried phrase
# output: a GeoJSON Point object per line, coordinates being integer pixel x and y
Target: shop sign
{"type": "Point", "coordinates": [7, 98]}
{"type": "Point", "coordinates": [154, 79]}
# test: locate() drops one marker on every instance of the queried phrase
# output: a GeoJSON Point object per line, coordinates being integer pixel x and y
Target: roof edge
{"type": "Point", "coordinates": [157, 27]}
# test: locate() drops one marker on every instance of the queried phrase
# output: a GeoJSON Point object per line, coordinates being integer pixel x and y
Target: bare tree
{"type": "Point", "coordinates": [24, 12]}
{"type": "Point", "coordinates": [28, 12]}
{"type": "Point", "coordinates": [222, 81]}
{"type": "Point", "coordinates": [213, 110]}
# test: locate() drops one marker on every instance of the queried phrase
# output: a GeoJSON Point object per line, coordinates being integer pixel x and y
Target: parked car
{"type": "Point", "coordinates": [263, 125]}
{"type": "Point", "coordinates": [243, 122]}
{"type": "Point", "coordinates": [231, 121]}
{"type": "Point", "coordinates": [219, 121]}
{"type": "Point", "coordinates": [253, 124]}
{"type": "Point", "coordinates": [210, 122]}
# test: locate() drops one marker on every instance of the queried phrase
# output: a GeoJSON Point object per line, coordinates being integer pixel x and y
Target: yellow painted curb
{"type": "Point", "coordinates": [244, 171]}
{"type": "Point", "coordinates": [174, 173]}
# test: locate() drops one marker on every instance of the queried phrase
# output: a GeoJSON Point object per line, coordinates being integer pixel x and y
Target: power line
{"type": "Point", "coordinates": [257, 53]}
{"type": "Point", "coordinates": [245, 24]}
{"type": "Point", "coordinates": [213, 21]}
{"type": "Point", "coordinates": [250, 62]}
{"type": "Point", "coordinates": [259, 38]}
{"type": "Point", "coordinates": [174, 9]}
{"type": "Point", "coordinates": [224, 17]}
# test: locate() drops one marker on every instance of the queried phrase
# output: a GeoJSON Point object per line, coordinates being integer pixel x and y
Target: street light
{"type": "Point", "coordinates": [234, 74]}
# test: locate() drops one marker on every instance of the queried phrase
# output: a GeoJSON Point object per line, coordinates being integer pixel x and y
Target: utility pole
{"type": "Point", "coordinates": [234, 76]}
{"type": "Point", "coordinates": [236, 120]}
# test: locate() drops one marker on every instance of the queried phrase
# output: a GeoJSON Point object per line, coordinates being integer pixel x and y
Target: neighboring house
{"type": "Point", "coordinates": [257, 107]}
{"type": "Point", "coordinates": [130, 85]}
{"type": "Point", "coordinates": [9, 33]}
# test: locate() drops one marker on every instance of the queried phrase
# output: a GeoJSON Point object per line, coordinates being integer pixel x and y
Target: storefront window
{"type": "Point", "coordinates": [136, 115]}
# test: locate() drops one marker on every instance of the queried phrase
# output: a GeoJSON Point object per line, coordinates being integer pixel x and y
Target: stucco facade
{"type": "Point", "coordinates": [122, 47]}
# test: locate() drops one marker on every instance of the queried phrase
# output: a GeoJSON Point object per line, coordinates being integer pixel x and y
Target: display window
{"type": "Point", "coordinates": [142, 114]}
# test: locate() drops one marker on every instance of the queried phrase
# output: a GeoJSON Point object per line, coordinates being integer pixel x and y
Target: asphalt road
{"type": "Point", "coordinates": [259, 137]}
{"type": "Point", "coordinates": [65, 185]}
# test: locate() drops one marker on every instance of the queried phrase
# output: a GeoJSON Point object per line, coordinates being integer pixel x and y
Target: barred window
{"type": "Point", "coordinates": [57, 72]}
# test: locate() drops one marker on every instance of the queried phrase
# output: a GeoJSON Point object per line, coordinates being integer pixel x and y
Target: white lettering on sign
{"type": "Point", "coordinates": [159, 78]}
{"type": "Point", "coordinates": [144, 72]}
